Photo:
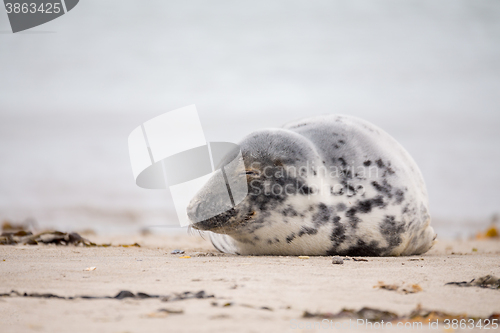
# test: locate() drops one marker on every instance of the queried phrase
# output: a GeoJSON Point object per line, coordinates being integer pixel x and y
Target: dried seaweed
{"type": "Point", "coordinates": [48, 237]}
{"type": "Point", "coordinates": [228, 304]}
{"type": "Point", "coordinates": [491, 233]}
{"type": "Point", "coordinates": [121, 295]}
{"type": "Point", "coordinates": [408, 289]}
{"type": "Point", "coordinates": [186, 295]}
{"type": "Point", "coordinates": [23, 237]}
{"type": "Point", "coordinates": [488, 281]}
{"type": "Point", "coordinates": [366, 313]}
{"type": "Point", "coordinates": [376, 315]}
{"type": "Point", "coordinates": [162, 313]}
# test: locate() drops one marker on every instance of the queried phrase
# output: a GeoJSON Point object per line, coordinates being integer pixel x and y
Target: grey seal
{"type": "Point", "coordinates": [326, 185]}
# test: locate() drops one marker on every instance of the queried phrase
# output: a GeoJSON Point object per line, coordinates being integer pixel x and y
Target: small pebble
{"type": "Point", "coordinates": [177, 252]}
{"type": "Point", "coordinates": [303, 257]}
{"type": "Point", "coordinates": [337, 261]}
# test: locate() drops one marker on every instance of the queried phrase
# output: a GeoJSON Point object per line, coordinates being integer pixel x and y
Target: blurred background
{"type": "Point", "coordinates": [71, 91]}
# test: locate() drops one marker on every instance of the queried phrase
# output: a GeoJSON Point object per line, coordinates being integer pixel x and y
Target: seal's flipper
{"type": "Point", "coordinates": [223, 243]}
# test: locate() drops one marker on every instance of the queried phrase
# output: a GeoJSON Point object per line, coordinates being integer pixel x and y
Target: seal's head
{"type": "Point", "coordinates": [276, 163]}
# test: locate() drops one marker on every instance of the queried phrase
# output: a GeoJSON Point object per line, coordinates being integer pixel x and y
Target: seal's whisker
{"type": "Point", "coordinates": [195, 232]}
{"type": "Point", "coordinates": [191, 230]}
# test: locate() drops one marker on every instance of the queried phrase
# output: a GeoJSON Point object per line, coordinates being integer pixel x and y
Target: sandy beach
{"type": "Point", "coordinates": [250, 294]}
{"type": "Point", "coordinates": [87, 144]}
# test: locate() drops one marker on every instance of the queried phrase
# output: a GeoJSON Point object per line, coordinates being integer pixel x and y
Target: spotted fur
{"type": "Point", "coordinates": [375, 204]}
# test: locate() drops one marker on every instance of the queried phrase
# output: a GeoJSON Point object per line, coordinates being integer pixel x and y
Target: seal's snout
{"type": "Point", "coordinates": [211, 207]}
{"type": "Point", "coordinates": [199, 213]}
{"type": "Point", "coordinates": [195, 215]}
{"type": "Point", "coordinates": [209, 214]}
{"type": "Point", "coordinates": [203, 208]}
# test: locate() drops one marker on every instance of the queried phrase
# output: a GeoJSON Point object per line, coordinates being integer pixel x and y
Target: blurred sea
{"type": "Point", "coordinates": [72, 90]}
